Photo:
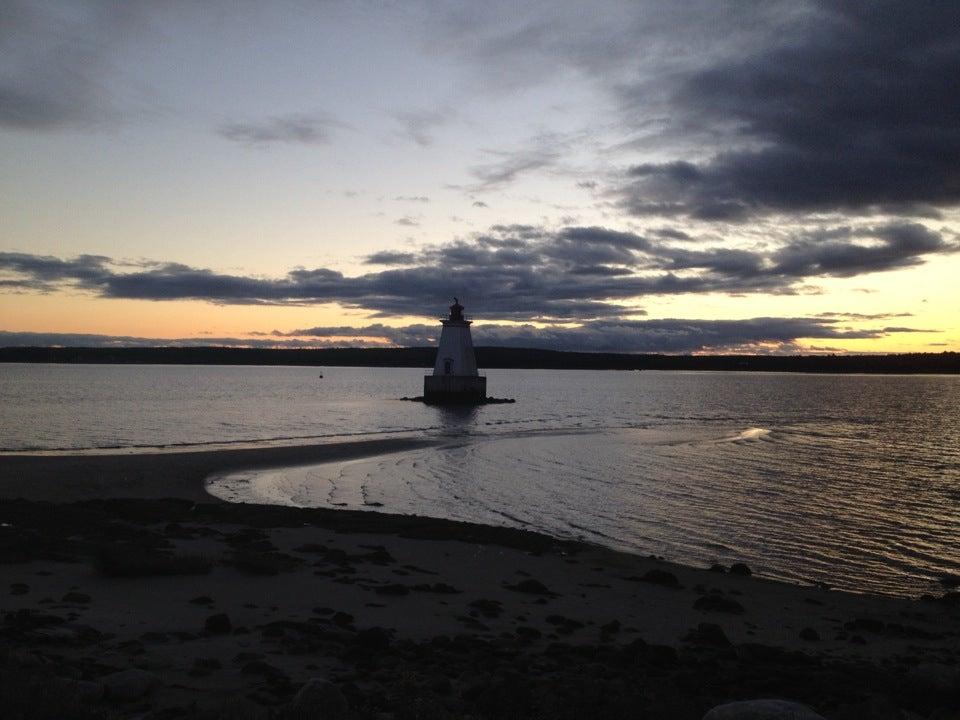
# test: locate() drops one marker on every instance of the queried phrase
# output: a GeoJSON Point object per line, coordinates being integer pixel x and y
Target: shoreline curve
{"type": "Point", "coordinates": [70, 478]}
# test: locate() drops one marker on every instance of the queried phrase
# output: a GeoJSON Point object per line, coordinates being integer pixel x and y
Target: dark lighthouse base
{"type": "Point", "coordinates": [454, 389]}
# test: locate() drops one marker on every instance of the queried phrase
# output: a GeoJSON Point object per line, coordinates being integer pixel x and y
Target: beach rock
{"type": "Point", "coordinates": [863, 624]}
{"type": "Point", "coordinates": [131, 684]}
{"type": "Point", "coordinates": [527, 633]}
{"type": "Point", "coordinates": [318, 698]}
{"type": "Point", "coordinates": [488, 608]}
{"type": "Point", "coordinates": [740, 569]}
{"type": "Point", "coordinates": [438, 588]}
{"type": "Point", "coordinates": [342, 619]}
{"type": "Point", "coordinates": [27, 619]}
{"type": "Point", "coordinates": [717, 568]}
{"type": "Point", "coordinates": [90, 691]}
{"type": "Point", "coordinates": [950, 581]}
{"type": "Point", "coordinates": [809, 634]}
{"type": "Point", "coordinates": [531, 587]}
{"type": "Point", "coordinates": [242, 707]}
{"type": "Point", "coordinates": [218, 624]}
{"type": "Point", "coordinates": [259, 667]}
{"type": "Point", "coordinates": [718, 603]}
{"type": "Point", "coordinates": [708, 634]}
{"type": "Point", "coordinates": [563, 624]}
{"type": "Point", "coordinates": [610, 628]}
{"type": "Point", "coordinates": [374, 638]}
{"type": "Point", "coordinates": [203, 663]}
{"type": "Point", "coordinates": [393, 589]}
{"type": "Point", "coordinates": [245, 657]}
{"type": "Point", "coordinates": [936, 677]}
{"type": "Point", "coordinates": [57, 635]}
{"type": "Point", "coordinates": [661, 656]}
{"type": "Point", "coordinates": [660, 577]}
{"type": "Point", "coordinates": [379, 554]}
{"type": "Point", "coordinates": [873, 708]}
{"type": "Point", "coordinates": [762, 710]}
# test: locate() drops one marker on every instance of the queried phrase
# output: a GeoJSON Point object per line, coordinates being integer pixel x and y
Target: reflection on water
{"type": "Point", "coordinates": [790, 503]}
{"type": "Point", "coordinates": [852, 480]}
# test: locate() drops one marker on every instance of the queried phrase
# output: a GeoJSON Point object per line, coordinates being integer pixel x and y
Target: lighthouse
{"type": "Point", "coordinates": [455, 378]}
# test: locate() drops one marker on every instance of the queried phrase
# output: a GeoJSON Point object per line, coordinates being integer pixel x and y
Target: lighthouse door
{"type": "Point", "coordinates": [448, 366]}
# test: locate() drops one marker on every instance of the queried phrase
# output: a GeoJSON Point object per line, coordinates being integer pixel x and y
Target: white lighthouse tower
{"type": "Point", "coordinates": [455, 378]}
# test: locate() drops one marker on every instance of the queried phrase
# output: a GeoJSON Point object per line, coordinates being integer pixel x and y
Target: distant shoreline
{"type": "Point", "coordinates": [489, 358]}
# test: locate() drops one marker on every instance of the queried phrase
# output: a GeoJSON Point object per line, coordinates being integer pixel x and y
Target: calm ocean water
{"type": "Point", "coordinates": [850, 480]}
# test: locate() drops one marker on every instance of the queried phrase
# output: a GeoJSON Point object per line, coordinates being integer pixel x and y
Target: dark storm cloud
{"type": "Point", "coordinates": [665, 336]}
{"type": "Point", "coordinates": [389, 257]}
{"type": "Point", "coordinates": [672, 234]}
{"type": "Point", "coordinates": [47, 267]}
{"type": "Point", "coordinates": [298, 128]}
{"type": "Point", "coordinates": [893, 246]}
{"type": "Point", "coordinates": [518, 272]}
{"type": "Point", "coordinates": [792, 107]}
{"type": "Point", "coordinates": [406, 336]}
{"type": "Point", "coordinates": [856, 108]}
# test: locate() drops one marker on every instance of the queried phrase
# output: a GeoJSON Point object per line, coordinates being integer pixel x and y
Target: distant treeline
{"type": "Point", "coordinates": [489, 357]}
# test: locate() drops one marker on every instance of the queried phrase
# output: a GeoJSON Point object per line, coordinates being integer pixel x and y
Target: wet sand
{"type": "Point", "coordinates": [166, 474]}
{"type": "Point", "coordinates": [214, 610]}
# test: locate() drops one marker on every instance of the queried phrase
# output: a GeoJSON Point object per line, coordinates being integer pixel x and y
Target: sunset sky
{"type": "Point", "coordinates": [627, 176]}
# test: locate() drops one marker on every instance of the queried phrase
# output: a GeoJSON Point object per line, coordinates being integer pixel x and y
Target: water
{"type": "Point", "coordinates": [850, 480]}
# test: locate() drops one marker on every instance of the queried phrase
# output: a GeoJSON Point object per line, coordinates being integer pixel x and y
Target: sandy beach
{"type": "Point", "coordinates": [128, 592]}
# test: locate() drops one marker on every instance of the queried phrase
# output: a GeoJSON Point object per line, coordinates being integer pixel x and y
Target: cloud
{"type": "Point", "coordinates": [672, 234]}
{"type": "Point", "coordinates": [655, 336]}
{"type": "Point", "coordinates": [674, 335]}
{"type": "Point", "coordinates": [58, 62]}
{"type": "Point", "coordinates": [417, 125]}
{"type": "Point", "coordinates": [407, 221]}
{"type": "Point", "coordinates": [412, 198]}
{"type": "Point", "coordinates": [892, 246]}
{"type": "Point", "coordinates": [517, 272]}
{"type": "Point", "coordinates": [863, 316]}
{"type": "Point", "coordinates": [389, 257]}
{"type": "Point", "coordinates": [543, 151]}
{"type": "Point", "coordinates": [740, 109]}
{"type": "Point", "coordinates": [854, 108]}
{"type": "Point", "coordinates": [295, 128]}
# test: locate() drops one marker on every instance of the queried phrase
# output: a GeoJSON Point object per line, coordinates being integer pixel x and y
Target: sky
{"type": "Point", "coordinates": [639, 176]}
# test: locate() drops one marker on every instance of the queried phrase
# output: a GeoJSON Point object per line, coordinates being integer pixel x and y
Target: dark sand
{"type": "Point", "coordinates": [226, 611]}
